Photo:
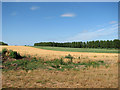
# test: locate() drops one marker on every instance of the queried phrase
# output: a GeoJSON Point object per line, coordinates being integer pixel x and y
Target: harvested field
{"type": "Point", "coordinates": [92, 78]}
{"type": "Point", "coordinates": [102, 77]}
{"type": "Point", "coordinates": [49, 54]}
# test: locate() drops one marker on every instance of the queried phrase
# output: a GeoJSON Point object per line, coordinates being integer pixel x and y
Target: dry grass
{"type": "Point", "coordinates": [91, 78]}
{"type": "Point", "coordinates": [101, 77]}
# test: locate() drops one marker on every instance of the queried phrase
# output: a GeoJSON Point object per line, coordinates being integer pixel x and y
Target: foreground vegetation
{"type": "Point", "coordinates": [13, 61]}
{"type": "Point", "coordinates": [79, 49]}
{"type": "Point", "coordinates": [39, 70]}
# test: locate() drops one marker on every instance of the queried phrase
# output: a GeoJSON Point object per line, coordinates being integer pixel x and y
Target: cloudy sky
{"type": "Point", "coordinates": [28, 23]}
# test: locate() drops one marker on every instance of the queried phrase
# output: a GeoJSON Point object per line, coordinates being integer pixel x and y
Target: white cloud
{"type": "Point", "coordinates": [100, 30]}
{"type": "Point", "coordinates": [13, 14]}
{"type": "Point", "coordinates": [68, 15]}
{"type": "Point", "coordinates": [115, 25]}
{"type": "Point", "coordinates": [34, 7]}
{"type": "Point", "coordinates": [90, 35]}
{"type": "Point", "coordinates": [112, 22]}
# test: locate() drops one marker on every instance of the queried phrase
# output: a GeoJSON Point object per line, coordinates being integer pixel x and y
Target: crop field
{"type": "Point", "coordinates": [61, 68]}
{"type": "Point", "coordinates": [93, 50]}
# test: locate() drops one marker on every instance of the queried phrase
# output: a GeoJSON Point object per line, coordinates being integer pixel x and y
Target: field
{"type": "Point", "coordinates": [93, 50]}
{"type": "Point", "coordinates": [104, 76]}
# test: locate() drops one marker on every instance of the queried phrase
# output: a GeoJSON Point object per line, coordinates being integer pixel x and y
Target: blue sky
{"type": "Point", "coordinates": [28, 23]}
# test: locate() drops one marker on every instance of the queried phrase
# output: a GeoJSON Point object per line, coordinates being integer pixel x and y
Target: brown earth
{"type": "Point", "coordinates": [101, 77]}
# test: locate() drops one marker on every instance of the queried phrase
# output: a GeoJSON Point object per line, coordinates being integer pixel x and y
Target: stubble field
{"type": "Point", "coordinates": [100, 77]}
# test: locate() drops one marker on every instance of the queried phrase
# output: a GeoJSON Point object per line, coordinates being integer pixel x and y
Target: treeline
{"type": "Point", "coordinates": [2, 43]}
{"type": "Point", "coordinates": [89, 44]}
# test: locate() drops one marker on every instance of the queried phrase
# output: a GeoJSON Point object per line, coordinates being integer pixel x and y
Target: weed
{"type": "Point", "coordinates": [62, 69]}
{"type": "Point", "coordinates": [101, 61]}
{"type": "Point", "coordinates": [69, 57]}
{"type": "Point", "coordinates": [34, 58]}
{"type": "Point", "coordinates": [55, 66]}
{"type": "Point", "coordinates": [62, 62]}
{"type": "Point", "coordinates": [40, 82]}
{"type": "Point", "coordinates": [50, 69]}
{"type": "Point", "coordinates": [76, 69]}
{"type": "Point", "coordinates": [24, 56]}
{"type": "Point", "coordinates": [95, 56]}
{"type": "Point", "coordinates": [106, 66]}
{"type": "Point", "coordinates": [78, 57]}
{"type": "Point", "coordinates": [29, 56]}
{"type": "Point", "coordinates": [68, 66]}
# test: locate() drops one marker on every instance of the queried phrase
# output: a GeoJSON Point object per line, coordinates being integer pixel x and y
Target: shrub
{"type": "Point", "coordinates": [14, 54]}
{"type": "Point", "coordinates": [4, 51]}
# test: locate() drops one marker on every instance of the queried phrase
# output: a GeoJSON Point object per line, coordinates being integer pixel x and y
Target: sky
{"type": "Point", "coordinates": [26, 23]}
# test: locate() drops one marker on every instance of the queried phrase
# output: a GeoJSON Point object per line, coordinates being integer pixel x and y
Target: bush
{"type": "Point", "coordinates": [4, 51]}
{"type": "Point", "coordinates": [23, 64]}
{"type": "Point", "coordinates": [62, 62]}
{"type": "Point", "coordinates": [14, 54]}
